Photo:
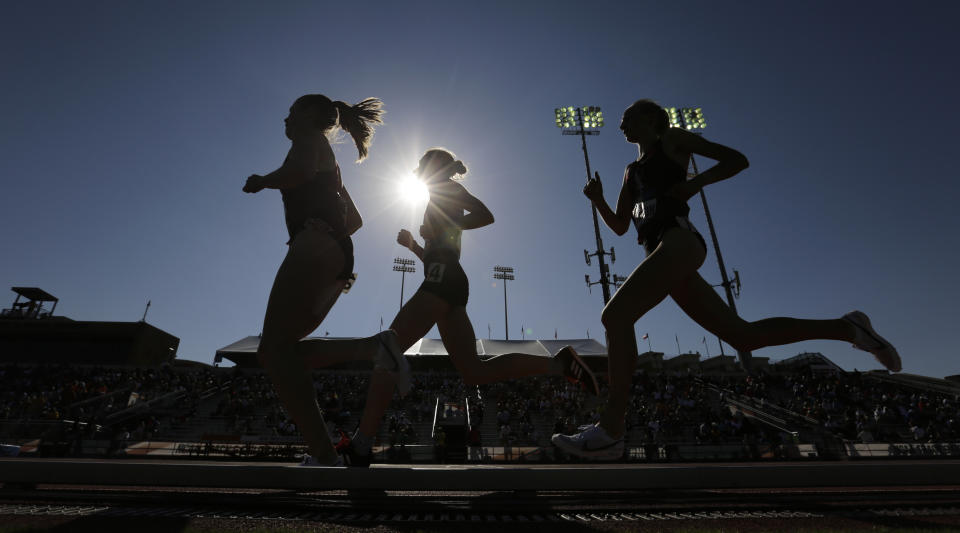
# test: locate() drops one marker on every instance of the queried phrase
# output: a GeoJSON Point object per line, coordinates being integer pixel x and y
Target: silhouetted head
{"type": "Point", "coordinates": [644, 122]}
{"type": "Point", "coordinates": [439, 164]}
{"type": "Point", "coordinates": [313, 112]}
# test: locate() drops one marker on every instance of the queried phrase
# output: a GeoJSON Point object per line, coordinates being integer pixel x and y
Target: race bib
{"type": "Point", "coordinates": [435, 272]}
{"type": "Point", "coordinates": [645, 209]}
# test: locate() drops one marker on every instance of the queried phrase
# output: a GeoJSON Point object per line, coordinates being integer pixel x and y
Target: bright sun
{"type": "Point", "coordinates": [412, 190]}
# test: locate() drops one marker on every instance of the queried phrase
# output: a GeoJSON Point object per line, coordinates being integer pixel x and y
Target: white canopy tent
{"type": "Point", "coordinates": [244, 350]}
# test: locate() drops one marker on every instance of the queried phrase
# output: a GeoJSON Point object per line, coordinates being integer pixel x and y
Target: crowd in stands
{"type": "Point", "coordinates": [858, 407]}
{"type": "Point", "coordinates": [665, 408]}
{"type": "Point", "coordinates": [61, 392]}
{"type": "Point", "coordinates": [250, 404]}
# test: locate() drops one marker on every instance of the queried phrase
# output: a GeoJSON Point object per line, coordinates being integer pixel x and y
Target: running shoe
{"type": "Point", "coordinates": [352, 457]}
{"type": "Point", "coordinates": [355, 459]}
{"type": "Point", "coordinates": [311, 461]}
{"type": "Point", "coordinates": [577, 372]}
{"type": "Point", "coordinates": [592, 443]}
{"type": "Point", "coordinates": [9, 450]}
{"type": "Point", "coordinates": [868, 340]}
{"type": "Point", "coordinates": [390, 357]}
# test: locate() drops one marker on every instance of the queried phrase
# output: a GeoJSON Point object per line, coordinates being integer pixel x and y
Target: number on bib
{"type": "Point", "coordinates": [435, 272]}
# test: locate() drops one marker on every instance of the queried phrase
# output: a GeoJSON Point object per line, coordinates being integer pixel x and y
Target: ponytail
{"type": "Point", "coordinates": [358, 121]}
{"type": "Point", "coordinates": [459, 168]}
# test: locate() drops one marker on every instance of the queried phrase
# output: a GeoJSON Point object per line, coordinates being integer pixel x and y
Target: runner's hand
{"type": "Point", "coordinates": [254, 184]}
{"type": "Point", "coordinates": [594, 190]}
{"type": "Point", "coordinates": [405, 238]}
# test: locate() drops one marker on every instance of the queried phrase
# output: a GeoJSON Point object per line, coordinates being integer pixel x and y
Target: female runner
{"type": "Point", "coordinates": [441, 300]}
{"type": "Point", "coordinates": [320, 218]}
{"type": "Point", "coordinates": [654, 194]}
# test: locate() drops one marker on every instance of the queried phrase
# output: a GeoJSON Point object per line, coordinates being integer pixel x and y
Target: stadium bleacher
{"type": "Point", "coordinates": [802, 409]}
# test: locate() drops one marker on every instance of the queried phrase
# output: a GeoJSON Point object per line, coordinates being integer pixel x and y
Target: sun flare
{"type": "Point", "coordinates": [412, 190]}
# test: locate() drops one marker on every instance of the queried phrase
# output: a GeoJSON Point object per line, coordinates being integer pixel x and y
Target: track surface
{"type": "Point", "coordinates": [166, 509]}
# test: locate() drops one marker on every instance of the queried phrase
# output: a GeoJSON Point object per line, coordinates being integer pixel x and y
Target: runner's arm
{"type": "Point", "coordinates": [478, 216]}
{"type": "Point", "coordinates": [729, 161]}
{"type": "Point", "coordinates": [618, 221]}
{"type": "Point", "coordinates": [417, 250]}
{"type": "Point", "coordinates": [405, 239]}
{"type": "Point", "coordinates": [297, 168]}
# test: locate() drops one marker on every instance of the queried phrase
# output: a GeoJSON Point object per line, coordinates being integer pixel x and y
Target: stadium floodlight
{"type": "Point", "coordinates": [674, 117]}
{"type": "Point", "coordinates": [505, 274]}
{"type": "Point", "coordinates": [688, 118]}
{"type": "Point", "coordinates": [583, 121]}
{"type": "Point", "coordinates": [404, 266]}
{"type": "Point", "coordinates": [565, 117]}
{"type": "Point", "coordinates": [693, 118]}
{"type": "Point", "coordinates": [592, 117]}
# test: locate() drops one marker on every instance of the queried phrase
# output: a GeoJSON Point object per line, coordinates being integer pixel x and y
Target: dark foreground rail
{"type": "Point", "coordinates": [587, 477]}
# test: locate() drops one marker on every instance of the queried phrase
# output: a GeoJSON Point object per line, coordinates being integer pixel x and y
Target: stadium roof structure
{"type": "Point", "coordinates": [32, 308]}
{"type": "Point", "coordinates": [243, 352]}
{"type": "Point", "coordinates": [815, 361]}
{"type": "Point", "coordinates": [35, 294]}
{"type": "Point", "coordinates": [490, 348]}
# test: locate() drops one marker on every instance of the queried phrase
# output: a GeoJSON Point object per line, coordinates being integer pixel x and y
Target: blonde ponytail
{"type": "Point", "coordinates": [358, 121]}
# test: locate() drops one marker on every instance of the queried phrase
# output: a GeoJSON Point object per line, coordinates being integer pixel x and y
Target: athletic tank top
{"type": "Point", "coordinates": [648, 180]}
{"type": "Point", "coordinates": [654, 174]}
{"type": "Point", "coordinates": [318, 197]}
{"type": "Point", "coordinates": [442, 210]}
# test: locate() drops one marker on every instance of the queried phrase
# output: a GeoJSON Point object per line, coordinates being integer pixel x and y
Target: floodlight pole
{"type": "Point", "coordinates": [604, 280]}
{"type": "Point", "coordinates": [716, 244]}
{"type": "Point", "coordinates": [744, 356]}
{"type": "Point", "coordinates": [506, 323]}
{"type": "Point", "coordinates": [600, 252]}
{"type": "Point", "coordinates": [403, 266]}
{"type": "Point", "coordinates": [504, 273]}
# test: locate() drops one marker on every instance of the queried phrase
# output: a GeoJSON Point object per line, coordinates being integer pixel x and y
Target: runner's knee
{"type": "Point", "coordinates": [615, 316]}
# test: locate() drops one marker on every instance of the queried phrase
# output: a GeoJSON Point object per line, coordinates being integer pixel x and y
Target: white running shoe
{"type": "Point", "coordinates": [9, 450]}
{"type": "Point", "coordinates": [593, 443]}
{"type": "Point", "coordinates": [311, 461]}
{"type": "Point", "coordinates": [868, 340]}
{"type": "Point", "coordinates": [390, 357]}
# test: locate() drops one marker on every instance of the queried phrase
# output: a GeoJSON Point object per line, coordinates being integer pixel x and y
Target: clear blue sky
{"type": "Point", "coordinates": [128, 129]}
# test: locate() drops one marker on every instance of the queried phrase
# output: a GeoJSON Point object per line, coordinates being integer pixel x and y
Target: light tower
{"type": "Point", "coordinates": [403, 266]}
{"type": "Point", "coordinates": [585, 121]}
{"type": "Point", "coordinates": [504, 273]}
{"type": "Point", "coordinates": [691, 119]}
